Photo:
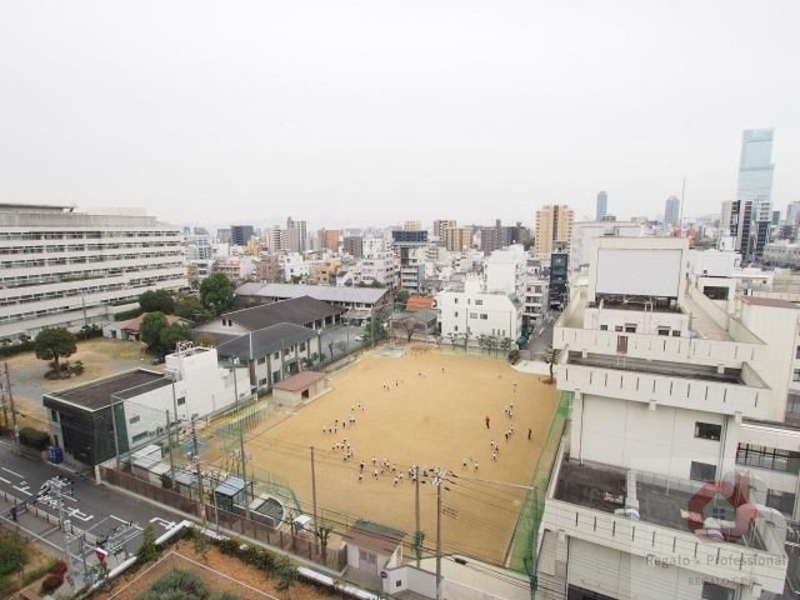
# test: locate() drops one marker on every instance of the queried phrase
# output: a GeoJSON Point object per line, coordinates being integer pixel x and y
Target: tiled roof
{"type": "Point", "coordinates": [299, 311]}
{"type": "Point", "coordinates": [265, 341]}
{"type": "Point", "coordinates": [298, 382]}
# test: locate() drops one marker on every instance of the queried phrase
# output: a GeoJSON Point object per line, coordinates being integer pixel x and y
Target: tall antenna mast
{"type": "Point", "coordinates": [683, 194]}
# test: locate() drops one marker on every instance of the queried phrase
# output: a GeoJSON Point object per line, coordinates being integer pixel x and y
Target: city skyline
{"type": "Point", "coordinates": [326, 110]}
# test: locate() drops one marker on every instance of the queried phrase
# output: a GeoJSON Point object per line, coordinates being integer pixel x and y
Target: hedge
{"type": "Point", "coordinates": [33, 438]}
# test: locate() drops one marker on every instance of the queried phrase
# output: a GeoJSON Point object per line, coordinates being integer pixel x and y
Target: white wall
{"type": "Point", "coordinates": [646, 322]}
{"type": "Point", "coordinates": [630, 435]}
{"type": "Point", "coordinates": [479, 314]}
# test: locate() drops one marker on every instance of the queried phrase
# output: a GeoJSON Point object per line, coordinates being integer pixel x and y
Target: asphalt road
{"type": "Point", "coordinates": [102, 512]}
{"type": "Point", "coordinates": [345, 334]}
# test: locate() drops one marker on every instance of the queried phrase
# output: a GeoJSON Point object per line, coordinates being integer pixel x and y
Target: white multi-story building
{"type": "Point", "coordinates": [537, 282]}
{"type": "Point", "coordinates": [374, 246]}
{"type": "Point", "coordinates": [580, 246]}
{"type": "Point", "coordinates": [491, 305]}
{"type": "Point", "coordinates": [293, 266]}
{"type": "Point", "coordinates": [679, 470]}
{"type": "Point", "coordinates": [380, 268]}
{"type": "Point", "coordinates": [61, 268]}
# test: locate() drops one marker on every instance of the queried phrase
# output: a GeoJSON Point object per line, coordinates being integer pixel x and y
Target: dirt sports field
{"type": "Point", "coordinates": [425, 408]}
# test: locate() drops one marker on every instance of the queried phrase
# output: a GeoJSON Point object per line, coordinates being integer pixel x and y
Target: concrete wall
{"type": "Point", "coordinates": [629, 435]}
{"type": "Point", "coordinates": [646, 322]}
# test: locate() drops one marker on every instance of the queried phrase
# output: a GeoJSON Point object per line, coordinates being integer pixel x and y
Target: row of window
{"type": "Point", "coordinates": [89, 235]}
{"type": "Point", "coordinates": [477, 302]}
{"type": "Point", "coordinates": [301, 347]}
{"type": "Point", "coordinates": [773, 459]}
{"type": "Point", "coordinates": [70, 248]}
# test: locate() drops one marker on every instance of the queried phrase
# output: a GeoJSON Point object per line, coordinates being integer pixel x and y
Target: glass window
{"type": "Point", "coordinates": [781, 501]}
{"type": "Point", "coordinates": [135, 419]}
{"type": "Point", "coordinates": [714, 591]}
{"type": "Point", "coordinates": [707, 431]}
{"type": "Point", "coordinates": [182, 401]}
{"type": "Point", "coordinates": [702, 471]}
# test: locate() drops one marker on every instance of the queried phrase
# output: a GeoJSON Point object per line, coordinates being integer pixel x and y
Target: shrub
{"type": "Point", "coordinates": [128, 314]}
{"type": "Point", "coordinates": [513, 357]}
{"type": "Point", "coordinates": [60, 568]}
{"type": "Point", "coordinates": [51, 582]}
{"type": "Point", "coordinates": [33, 438]}
{"type": "Point", "coordinates": [13, 555]}
{"type": "Point", "coordinates": [149, 551]}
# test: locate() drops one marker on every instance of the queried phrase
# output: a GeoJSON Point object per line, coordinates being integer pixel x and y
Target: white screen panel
{"type": "Point", "coordinates": [639, 272]}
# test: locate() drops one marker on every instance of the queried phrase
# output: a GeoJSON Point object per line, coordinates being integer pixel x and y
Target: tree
{"type": "Point", "coordinates": [505, 344]}
{"type": "Point", "coordinates": [148, 551]}
{"type": "Point", "coordinates": [491, 343]}
{"type": "Point", "coordinates": [157, 300]}
{"type": "Point", "coordinates": [170, 336]}
{"type": "Point", "coordinates": [409, 325]}
{"type": "Point", "coordinates": [323, 533]}
{"type": "Point", "coordinates": [550, 357]}
{"type": "Point", "coordinates": [453, 338]}
{"type": "Point", "coordinates": [190, 308]}
{"type": "Point", "coordinates": [216, 293]}
{"type": "Point", "coordinates": [286, 572]}
{"type": "Point", "coordinates": [206, 340]}
{"type": "Point", "coordinates": [483, 341]}
{"type": "Point", "coordinates": [52, 344]}
{"type": "Point", "coordinates": [151, 327]}
{"type": "Point", "coordinates": [401, 299]}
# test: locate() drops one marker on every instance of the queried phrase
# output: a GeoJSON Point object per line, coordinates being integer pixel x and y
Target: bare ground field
{"type": "Point", "coordinates": [432, 413]}
{"type": "Point", "coordinates": [100, 356]}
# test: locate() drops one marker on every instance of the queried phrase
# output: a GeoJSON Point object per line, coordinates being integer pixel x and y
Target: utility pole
{"type": "Point", "coordinates": [196, 461]}
{"type": "Point", "coordinates": [418, 534]}
{"type": "Point", "coordinates": [241, 434]}
{"type": "Point", "coordinates": [314, 497]}
{"type": "Point", "coordinates": [3, 403]}
{"type": "Point", "coordinates": [15, 442]}
{"type": "Point", "coordinates": [438, 482]}
{"type": "Point", "coordinates": [169, 443]}
{"type": "Point", "coordinates": [114, 428]}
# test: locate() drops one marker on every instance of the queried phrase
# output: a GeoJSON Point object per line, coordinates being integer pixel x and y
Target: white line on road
{"type": "Point", "coordinates": [12, 472]}
{"type": "Point", "coordinates": [4, 480]}
{"type": "Point", "coordinates": [23, 490]}
{"type": "Point", "coordinates": [118, 519]}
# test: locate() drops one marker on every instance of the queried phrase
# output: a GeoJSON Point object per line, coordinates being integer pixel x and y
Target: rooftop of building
{"type": "Point", "coordinates": [662, 501]}
{"type": "Point", "coordinates": [683, 370]}
{"type": "Point", "coordinates": [298, 311]}
{"type": "Point", "coordinates": [773, 302]}
{"type": "Point", "coordinates": [326, 293]}
{"type": "Point", "coordinates": [264, 342]}
{"type": "Point", "coordinates": [101, 393]}
{"type": "Point", "coordinates": [299, 382]}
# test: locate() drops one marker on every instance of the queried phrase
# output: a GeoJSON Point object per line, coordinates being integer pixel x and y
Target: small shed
{"type": "Point", "coordinates": [234, 491]}
{"type": "Point", "coordinates": [299, 388]}
{"type": "Point", "coordinates": [372, 548]}
{"type": "Point", "coordinates": [185, 482]}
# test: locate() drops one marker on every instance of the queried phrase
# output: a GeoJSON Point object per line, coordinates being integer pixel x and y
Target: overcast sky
{"type": "Point", "coordinates": [351, 113]}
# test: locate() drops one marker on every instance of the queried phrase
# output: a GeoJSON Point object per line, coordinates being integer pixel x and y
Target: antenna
{"type": "Point", "coordinates": [683, 194]}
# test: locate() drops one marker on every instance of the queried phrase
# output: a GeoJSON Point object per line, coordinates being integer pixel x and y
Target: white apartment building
{"type": "Point", "coordinates": [491, 305]}
{"type": "Point", "coordinates": [537, 281]}
{"type": "Point", "coordinates": [61, 268]}
{"type": "Point", "coordinates": [380, 268]}
{"type": "Point", "coordinates": [375, 246]}
{"type": "Point", "coordinates": [293, 265]}
{"type": "Point", "coordinates": [679, 471]}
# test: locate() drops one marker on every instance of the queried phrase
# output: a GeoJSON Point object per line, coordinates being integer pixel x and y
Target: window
{"type": "Point", "coordinates": [53, 415]}
{"type": "Point", "coordinates": [140, 436]}
{"type": "Point", "coordinates": [707, 431]}
{"type": "Point", "coordinates": [793, 405]}
{"type": "Point", "coordinates": [781, 501]}
{"type": "Point", "coordinates": [181, 400]}
{"type": "Point", "coordinates": [702, 472]}
{"type": "Point", "coordinates": [603, 327]}
{"type": "Point", "coordinates": [262, 381]}
{"type": "Point", "coordinates": [617, 327]}
{"type": "Point", "coordinates": [262, 360]}
{"type": "Point", "coordinates": [455, 314]}
{"type": "Point", "coordinates": [714, 591]}
{"type": "Point", "coordinates": [676, 333]}
{"type": "Point", "coordinates": [276, 356]}
{"type": "Point", "coordinates": [796, 376]}
{"type": "Point", "coordinates": [455, 300]}
{"type": "Point", "coordinates": [135, 419]}
{"type": "Point", "coordinates": [478, 302]}
{"type": "Point", "coordinates": [473, 315]}
{"type": "Point", "coordinates": [630, 327]}
{"type": "Point", "coordinates": [663, 331]}
{"type": "Point", "coordinates": [484, 316]}
{"type": "Point", "coordinates": [797, 352]}
{"type": "Point", "coordinates": [761, 457]}
{"type": "Point", "coordinates": [455, 327]}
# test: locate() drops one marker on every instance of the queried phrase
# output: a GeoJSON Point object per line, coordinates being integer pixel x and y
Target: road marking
{"type": "Point", "coordinates": [163, 522]}
{"type": "Point", "coordinates": [80, 515]}
{"type": "Point", "coordinates": [4, 480]}
{"type": "Point", "coordinates": [118, 519]}
{"type": "Point", "coordinates": [12, 472]}
{"type": "Point", "coordinates": [23, 490]}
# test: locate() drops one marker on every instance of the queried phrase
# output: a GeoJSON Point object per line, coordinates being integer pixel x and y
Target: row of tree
{"type": "Point", "coordinates": [216, 297]}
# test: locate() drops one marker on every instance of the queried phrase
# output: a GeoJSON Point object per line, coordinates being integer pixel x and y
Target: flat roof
{"type": "Point", "coordinates": [603, 488]}
{"type": "Point", "coordinates": [774, 302]}
{"type": "Point", "coordinates": [97, 394]}
{"type": "Point", "coordinates": [684, 370]}
{"type": "Point", "coordinates": [326, 293]}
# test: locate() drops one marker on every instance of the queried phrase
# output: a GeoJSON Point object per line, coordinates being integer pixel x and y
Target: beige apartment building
{"type": "Point", "coordinates": [553, 228]}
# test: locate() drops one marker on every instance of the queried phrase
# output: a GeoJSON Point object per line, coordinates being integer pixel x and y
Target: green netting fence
{"type": "Point", "coordinates": [520, 552]}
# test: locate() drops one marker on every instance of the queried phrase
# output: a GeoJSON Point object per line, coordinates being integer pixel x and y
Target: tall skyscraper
{"type": "Point", "coordinates": [296, 235]}
{"type": "Point", "coordinates": [755, 167]}
{"type": "Point", "coordinates": [672, 212]}
{"type": "Point", "coordinates": [553, 229]}
{"type": "Point", "coordinates": [755, 185]}
{"type": "Point", "coordinates": [602, 206]}
{"type": "Point", "coordinates": [241, 234]}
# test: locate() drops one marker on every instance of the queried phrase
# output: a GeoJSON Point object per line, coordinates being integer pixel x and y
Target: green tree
{"type": "Point", "coordinates": [190, 308]}
{"type": "Point", "coordinates": [53, 344]}
{"type": "Point", "coordinates": [170, 336]}
{"type": "Point", "coordinates": [550, 357]}
{"type": "Point", "coordinates": [149, 551]}
{"type": "Point", "coordinates": [286, 572]}
{"type": "Point", "coordinates": [157, 301]}
{"type": "Point", "coordinates": [401, 299]}
{"type": "Point", "coordinates": [216, 293]}
{"type": "Point", "coordinates": [151, 327]}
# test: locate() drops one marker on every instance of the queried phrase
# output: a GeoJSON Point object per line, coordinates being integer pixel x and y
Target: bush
{"type": "Point", "coordinates": [52, 582]}
{"type": "Point", "coordinates": [128, 314]}
{"type": "Point", "coordinates": [33, 438]}
{"type": "Point", "coordinates": [13, 555]}
{"type": "Point", "coordinates": [9, 348]}
{"type": "Point", "coordinates": [513, 356]}
{"type": "Point", "coordinates": [60, 568]}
